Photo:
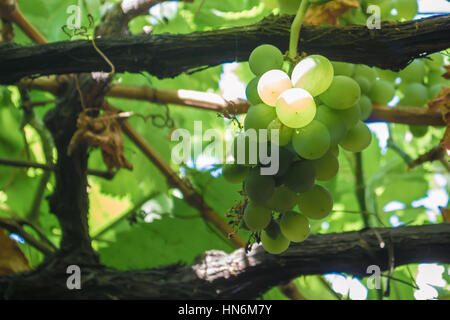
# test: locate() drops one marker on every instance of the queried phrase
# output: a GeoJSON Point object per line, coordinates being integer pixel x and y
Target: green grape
{"type": "Point", "coordinates": [365, 105]}
{"type": "Point", "coordinates": [416, 95]}
{"type": "Point", "coordinates": [382, 92]}
{"type": "Point", "coordinates": [300, 177]}
{"type": "Point", "coordinates": [284, 133]}
{"type": "Point", "coordinates": [314, 74]}
{"type": "Point", "coordinates": [435, 62]}
{"type": "Point", "coordinates": [358, 138]}
{"type": "Point", "coordinates": [334, 123]}
{"type": "Point", "coordinates": [406, 9]}
{"type": "Point", "coordinates": [252, 92]}
{"type": "Point", "coordinates": [343, 68]}
{"type": "Point", "coordinates": [272, 84]}
{"type": "Point", "coordinates": [334, 150]}
{"type": "Point", "coordinates": [316, 203]}
{"type": "Point", "coordinates": [435, 77]}
{"type": "Point", "coordinates": [388, 75]}
{"type": "Point", "coordinates": [365, 71]}
{"type": "Point", "coordinates": [294, 226]}
{"type": "Point", "coordinates": [259, 188]}
{"type": "Point", "coordinates": [296, 108]}
{"type": "Point", "coordinates": [283, 199]}
{"type": "Point", "coordinates": [350, 116]}
{"type": "Point", "coordinates": [273, 240]}
{"type": "Point", "coordinates": [414, 72]}
{"type": "Point", "coordinates": [289, 6]}
{"type": "Point", "coordinates": [418, 131]}
{"type": "Point", "coordinates": [285, 157]}
{"type": "Point", "coordinates": [326, 167]}
{"type": "Point", "coordinates": [243, 226]}
{"type": "Point", "coordinates": [313, 141]}
{"type": "Point", "coordinates": [343, 93]}
{"type": "Point", "coordinates": [434, 90]}
{"type": "Point", "coordinates": [256, 217]}
{"type": "Point", "coordinates": [259, 116]}
{"type": "Point", "coordinates": [364, 84]}
{"type": "Point", "coordinates": [264, 58]}
{"type": "Point", "coordinates": [235, 173]}
{"type": "Point", "coordinates": [245, 150]}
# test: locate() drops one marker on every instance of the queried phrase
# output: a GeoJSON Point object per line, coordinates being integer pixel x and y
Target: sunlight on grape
{"type": "Point", "coordinates": [429, 275]}
{"type": "Point", "coordinates": [306, 66]}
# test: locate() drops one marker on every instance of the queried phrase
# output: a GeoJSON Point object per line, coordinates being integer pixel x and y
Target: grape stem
{"type": "Point", "coordinates": [295, 29]}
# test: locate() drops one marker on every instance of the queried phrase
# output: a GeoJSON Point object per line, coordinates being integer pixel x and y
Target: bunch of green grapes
{"type": "Point", "coordinates": [314, 111]}
{"type": "Point", "coordinates": [421, 81]}
{"type": "Point", "coordinates": [415, 85]}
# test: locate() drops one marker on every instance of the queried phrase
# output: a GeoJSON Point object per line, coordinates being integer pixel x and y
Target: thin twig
{"type": "Point", "coordinates": [27, 164]}
{"type": "Point", "coordinates": [15, 226]}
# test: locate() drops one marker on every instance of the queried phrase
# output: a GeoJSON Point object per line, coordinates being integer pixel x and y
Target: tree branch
{"type": "Point", "coordinates": [406, 115]}
{"type": "Point", "coordinates": [391, 47]}
{"type": "Point", "coordinates": [215, 102]}
{"type": "Point", "coordinates": [9, 10]}
{"type": "Point", "coordinates": [217, 275]}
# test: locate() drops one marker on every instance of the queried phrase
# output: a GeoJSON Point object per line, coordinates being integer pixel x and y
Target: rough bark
{"type": "Point", "coordinates": [167, 55]}
{"type": "Point", "coordinates": [217, 275]}
{"type": "Point", "coordinates": [69, 201]}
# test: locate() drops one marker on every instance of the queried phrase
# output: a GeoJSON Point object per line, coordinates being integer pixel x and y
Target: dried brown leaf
{"type": "Point", "coordinates": [104, 132]}
{"type": "Point", "coordinates": [329, 12]}
{"type": "Point", "coordinates": [442, 102]}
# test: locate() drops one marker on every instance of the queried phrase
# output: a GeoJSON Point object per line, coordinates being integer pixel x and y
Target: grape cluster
{"type": "Point", "coordinates": [420, 82]}
{"type": "Point", "coordinates": [315, 111]}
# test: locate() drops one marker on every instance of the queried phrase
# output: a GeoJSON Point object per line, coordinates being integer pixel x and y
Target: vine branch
{"type": "Point", "coordinates": [391, 47]}
{"type": "Point", "coordinates": [216, 102]}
